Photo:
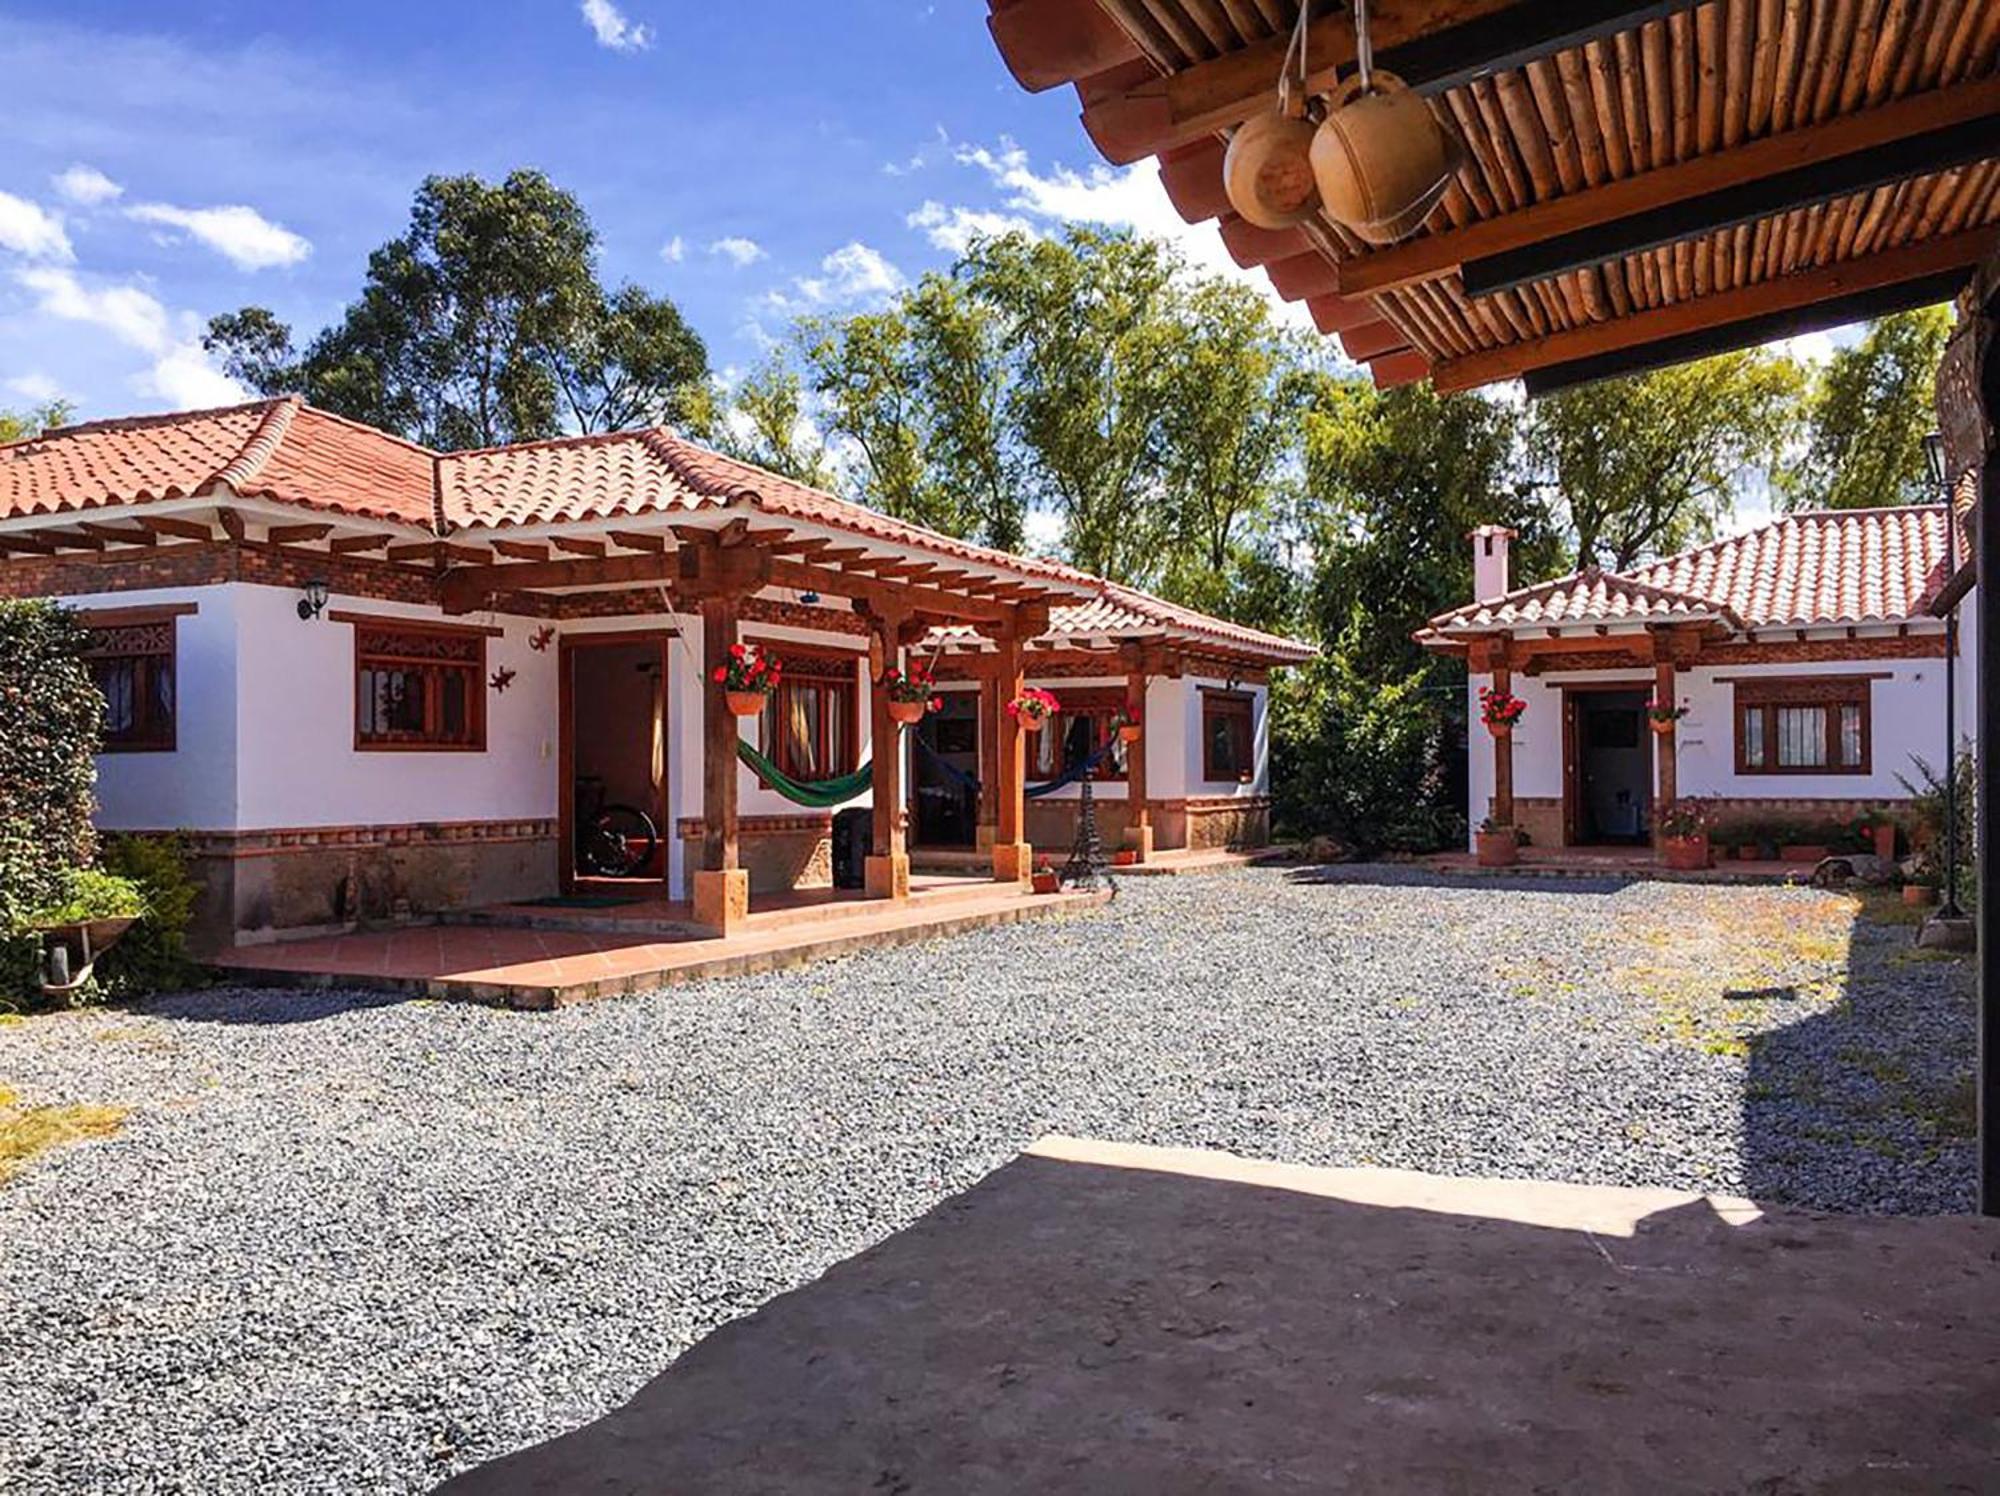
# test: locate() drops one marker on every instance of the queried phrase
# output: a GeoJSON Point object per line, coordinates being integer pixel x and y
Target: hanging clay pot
{"type": "Point", "coordinates": [908, 712]}
{"type": "Point", "coordinates": [1268, 170]}
{"type": "Point", "coordinates": [745, 703]}
{"type": "Point", "coordinates": [1382, 159]}
{"type": "Point", "coordinates": [1129, 732]}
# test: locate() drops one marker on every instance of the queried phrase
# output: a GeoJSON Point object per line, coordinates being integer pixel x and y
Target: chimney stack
{"type": "Point", "coordinates": [1489, 562]}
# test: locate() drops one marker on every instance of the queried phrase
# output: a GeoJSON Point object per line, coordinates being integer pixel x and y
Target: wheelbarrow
{"type": "Point", "coordinates": [70, 952]}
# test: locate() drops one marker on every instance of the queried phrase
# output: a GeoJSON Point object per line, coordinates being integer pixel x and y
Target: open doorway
{"type": "Point", "coordinates": [1608, 767]}
{"type": "Point", "coordinates": [944, 777]}
{"type": "Point", "coordinates": [613, 763]}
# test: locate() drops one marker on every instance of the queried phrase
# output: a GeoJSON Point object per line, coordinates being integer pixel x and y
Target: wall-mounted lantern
{"type": "Point", "coordinates": [314, 602]}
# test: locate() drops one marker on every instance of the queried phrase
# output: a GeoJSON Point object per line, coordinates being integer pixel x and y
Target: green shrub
{"type": "Point", "coordinates": [89, 893]}
{"type": "Point", "coordinates": [153, 955]}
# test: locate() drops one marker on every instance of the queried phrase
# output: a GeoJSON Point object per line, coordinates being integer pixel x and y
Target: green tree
{"type": "Point", "coordinates": [1649, 464]}
{"type": "Point", "coordinates": [19, 425]}
{"type": "Point", "coordinates": [767, 426]}
{"type": "Point", "coordinates": [1867, 416]}
{"type": "Point", "coordinates": [864, 370]}
{"type": "Point", "coordinates": [483, 323]}
{"type": "Point", "coordinates": [960, 358]}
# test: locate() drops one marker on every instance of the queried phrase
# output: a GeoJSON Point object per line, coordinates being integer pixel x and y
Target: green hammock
{"type": "Point", "coordinates": [824, 794]}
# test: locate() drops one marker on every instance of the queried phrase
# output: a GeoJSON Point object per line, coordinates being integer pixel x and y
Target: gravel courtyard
{"type": "Point", "coordinates": [344, 1245]}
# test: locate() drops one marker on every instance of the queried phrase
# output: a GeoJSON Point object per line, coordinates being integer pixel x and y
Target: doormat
{"type": "Point", "coordinates": [581, 901]}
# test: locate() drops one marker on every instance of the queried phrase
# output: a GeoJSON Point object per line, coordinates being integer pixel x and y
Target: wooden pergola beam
{"type": "Point", "coordinates": [1766, 299]}
{"type": "Point", "coordinates": [522, 550]}
{"type": "Point", "coordinates": [1433, 45]}
{"type": "Point", "coordinates": [1743, 202]}
{"type": "Point", "coordinates": [296, 534]}
{"type": "Point", "coordinates": [1433, 256]}
{"type": "Point", "coordinates": [180, 529]}
{"type": "Point", "coordinates": [119, 534]}
{"type": "Point", "coordinates": [637, 540]}
{"type": "Point", "coordinates": [348, 545]}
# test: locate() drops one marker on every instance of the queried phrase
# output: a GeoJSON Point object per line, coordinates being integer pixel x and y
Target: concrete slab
{"type": "Point", "coordinates": [1111, 1319]}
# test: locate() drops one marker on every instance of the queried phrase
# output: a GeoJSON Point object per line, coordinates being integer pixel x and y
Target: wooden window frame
{"type": "Point", "coordinates": [827, 666]}
{"type": "Point", "coordinates": [1827, 692]}
{"type": "Point", "coordinates": [1100, 705]}
{"type": "Point", "coordinates": [370, 633]}
{"type": "Point", "coordinates": [1238, 706]}
{"type": "Point", "coordinates": [151, 635]}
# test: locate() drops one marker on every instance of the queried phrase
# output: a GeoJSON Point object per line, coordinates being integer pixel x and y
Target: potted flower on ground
{"type": "Point", "coordinates": [1684, 836]}
{"type": "Point", "coordinates": [1044, 878]}
{"type": "Point", "coordinates": [911, 693]}
{"type": "Point", "coordinates": [747, 678]}
{"type": "Point", "coordinates": [1500, 710]}
{"type": "Point", "coordinates": [1662, 714]}
{"type": "Point", "coordinates": [1881, 829]}
{"type": "Point", "coordinates": [1033, 707]}
{"type": "Point", "coordinates": [1498, 846]}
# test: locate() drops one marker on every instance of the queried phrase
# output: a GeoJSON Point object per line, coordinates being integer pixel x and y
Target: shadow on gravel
{"type": "Point", "coordinates": [1213, 1326]}
{"type": "Point", "coordinates": [1397, 875]}
{"type": "Point", "coordinates": [1869, 1105]}
{"type": "Point", "coordinates": [260, 1005]}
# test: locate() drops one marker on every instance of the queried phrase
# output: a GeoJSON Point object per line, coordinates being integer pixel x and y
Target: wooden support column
{"type": "Point", "coordinates": [1503, 755]}
{"type": "Point", "coordinates": [721, 886]}
{"type": "Point", "coordinates": [888, 865]}
{"type": "Point", "coordinates": [1139, 815]}
{"type": "Point", "coordinates": [1013, 857]}
{"type": "Point", "coordinates": [1668, 787]}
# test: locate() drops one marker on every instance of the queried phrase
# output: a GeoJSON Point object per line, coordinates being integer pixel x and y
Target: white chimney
{"type": "Point", "coordinates": [1489, 562]}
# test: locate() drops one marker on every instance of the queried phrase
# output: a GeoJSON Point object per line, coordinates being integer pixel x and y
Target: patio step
{"type": "Point", "coordinates": [675, 921]}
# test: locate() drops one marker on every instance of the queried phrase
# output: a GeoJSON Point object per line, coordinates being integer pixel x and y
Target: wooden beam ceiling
{"type": "Point", "coordinates": [1433, 45]}
{"type": "Point", "coordinates": [1436, 255]}
{"type": "Point", "coordinates": [1917, 262]}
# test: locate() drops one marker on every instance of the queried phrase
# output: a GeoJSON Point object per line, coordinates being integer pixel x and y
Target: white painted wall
{"type": "Point", "coordinates": [1906, 717]}
{"type": "Point", "coordinates": [193, 787]}
{"type": "Point", "coordinates": [1198, 788]}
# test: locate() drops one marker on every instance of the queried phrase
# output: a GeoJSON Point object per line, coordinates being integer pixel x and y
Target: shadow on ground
{"type": "Point", "coordinates": [1134, 1320]}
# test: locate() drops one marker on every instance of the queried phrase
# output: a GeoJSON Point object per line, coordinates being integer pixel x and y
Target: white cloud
{"type": "Point", "coordinates": [181, 373]}
{"type": "Point", "coordinates": [36, 387]}
{"type": "Point", "coordinates": [1131, 197]}
{"type": "Point", "coordinates": [608, 24]}
{"type": "Point", "coordinates": [737, 250]}
{"type": "Point", "coordinates": [86, 186]}
{"type": "Point", "coordinates": [243, 236]}
{"type": "Point", "coordinates": [954, 229]}
{"type": "Point", "coordinates": [30, 229]}
{"type": "Point", "coordinates": [853, 275]}
{"type": "Point", "coordinates": [674, 250]}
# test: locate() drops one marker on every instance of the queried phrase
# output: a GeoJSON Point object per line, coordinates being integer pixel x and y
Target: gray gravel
{"type": "Point", "coordinates": [350, 1246]}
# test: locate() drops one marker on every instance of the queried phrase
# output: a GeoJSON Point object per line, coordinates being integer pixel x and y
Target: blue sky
{"type": "Point", "coordinates": [165, 162]}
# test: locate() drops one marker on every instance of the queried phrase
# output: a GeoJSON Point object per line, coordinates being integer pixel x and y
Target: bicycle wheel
{"type": "Point", "coordinates": [622, 840]}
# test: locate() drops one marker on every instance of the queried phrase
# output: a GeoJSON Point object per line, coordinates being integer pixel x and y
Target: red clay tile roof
{"type": "Point", "coordinates": [291, 453]}
{"type": "Point", "coordinates": [1126, 613]}
{"type": "Point", "coordinates": [1842, 566]}
{"type": "Point", "coordinates": [275, 449]}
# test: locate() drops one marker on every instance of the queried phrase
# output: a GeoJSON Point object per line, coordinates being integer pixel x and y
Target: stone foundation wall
{"type": "Point", "coordinates": [1542, 816]}
{"type": "Point", "coordinates": [781, 852]}
{"type": "Point", "coordinates": [262, 885]}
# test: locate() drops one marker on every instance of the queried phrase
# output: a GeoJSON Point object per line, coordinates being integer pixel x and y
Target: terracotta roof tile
{"type": "Point", "coordinates": [275, 449]}
{"type": "Point", "coordinates": [1127, 613]}
{"type": "Point", "coordinates": [1825, 567]}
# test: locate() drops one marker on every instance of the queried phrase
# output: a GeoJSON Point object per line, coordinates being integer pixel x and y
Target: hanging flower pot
{"type": "Point", "coordinates": [909, 693]}
{"type": "Point", "coordinates": [1662, 714]}
{"type": "Point", "coordinates": [909, 713]}
{"type": "Point", "coordinates": [746, 678]}
{"type": "Point", "coordinates": [1382, 159]}
{"type": "Point", "coordinates": [1128, 732]}
{"type": "Point", "coordinates": [1501, 730]}
{"type": "Point", "coordinates": [1500, 710]}
{"type": "Point", "coordinates": [1033, 707]}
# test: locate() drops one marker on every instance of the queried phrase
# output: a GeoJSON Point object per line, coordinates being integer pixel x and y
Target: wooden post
{"type": "Point", "coordinates": [888, 865]}
{"type": "Point", "coordinates": [1669, 789]}
{"type": "Point", "coordinates": [1139, 815]}
{"type": "Point", "coordinates": [721, 886]}
{"type": "Point", "coordinates": [989, 763]}
{"type": "Point", "coordinates": [1503, 756]}
{"type": "Point", "coordinates": [1013, 857]}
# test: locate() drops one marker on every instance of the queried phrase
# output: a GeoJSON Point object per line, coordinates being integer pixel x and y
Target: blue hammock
{"type": "Point", "coordinates": [1071, 775]}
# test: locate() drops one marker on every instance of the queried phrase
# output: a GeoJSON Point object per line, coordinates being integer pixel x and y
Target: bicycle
{"type": "Point", "coordinates": [612, 841]}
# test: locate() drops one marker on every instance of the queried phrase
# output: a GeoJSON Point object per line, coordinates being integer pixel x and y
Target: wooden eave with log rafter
{"type": "Point", "coordinates": [1645, 183]}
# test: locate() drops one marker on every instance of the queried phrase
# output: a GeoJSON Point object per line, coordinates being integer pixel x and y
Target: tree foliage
{"type": "Point", "coordinates": [1649, 464]}
{"type": "Point", "coordinates": [1869, 412]}
{"type": "Point", "coordinates": [483, 323]}
{"type": "Point", "coordinates": [19, 425]}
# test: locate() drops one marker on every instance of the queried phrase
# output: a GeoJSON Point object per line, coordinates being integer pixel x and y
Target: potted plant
{"type": "Point", "coordinates": [1815, 842]}
{"type": "Point", "coordinates": [1125, 857]}
{"type": "Point", "coordinates": [1662, 714]}
{"type": "Point", "coordinates": [1498, 846]}
{"type": "Point", "coordinates": [1033, 707]}
{"type": "Point", "coordinates": [1684, 836]}
{"type": "Point", "coordinates": [910, 693]}
{"type": "Point", "coordinates": [1922, 890]}
{"type": "Point", "coordinates": [1500, 710]}
{"type": "Point", "coordinates": [747, 678]}
{"type": "Point", "coordinates": [1128, 726]}
{"type": "Point", "coordinates": [1882, 829]}
{"type": "Point", "coordinates": [1044, 878]}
